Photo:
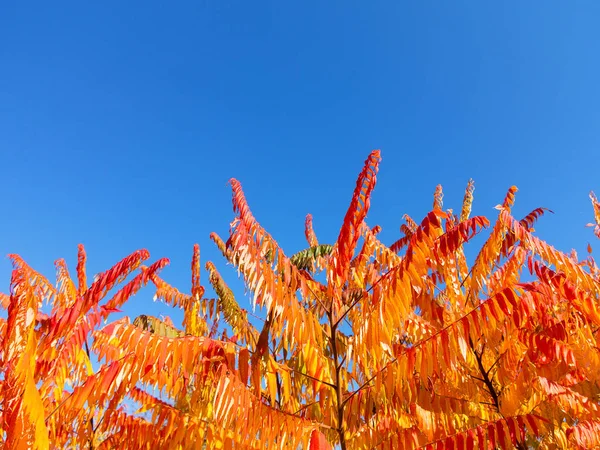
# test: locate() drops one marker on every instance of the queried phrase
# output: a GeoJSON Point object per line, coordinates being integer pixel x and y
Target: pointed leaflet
{"type": "Point", "coordinates": [568, 400]}
{"type": "Point", "coordinates": [67, 292]}
{"type": "Point", "coordinates": [311, 238]}
{"type": "Point", "coordinates": [580, 297]}
{"type": "Point", "coordinates": [268, 272]}
{"type": "Point", "coordinates": [197, 289]}
{"type": "Point", "coordinates": [382, 256]}
{"type": "Point", "coordinates": [392, 301]}
{"type": "Point", "coordinates": [169, 294]}
{"type": "Point", "coordinates": [272, 279]}
{"type": "Point", "coordinates": [235, 316]}
{"type": "Point", "coordinates": [238, 409]}
{"type": "Point", "coordinates": [81, 275]}
{"type": "Point", "coordinates": [448, 251]}
{"type": "Point", "coordinates": [502, 432]}
{"type": "Point", "coordinates": [467, 201]}
{"type": "Point", "coordinates": [306, 259]}
{"type": "Point", "coordinates": [43, 287]}
{"type": "Point", "coordinates": [449, 242]}
{"type": "Point", "coordinates": [4, 300]}
{"type": "Point", "coordinates": [133, 286]}
{"type": "Point", "coordinates": [222, 246]}
{"type": "Point", "coordinates": [343, 250]}
{"type": "Point", "coordinates": [438, 197]}
{"type": "Point", "coordinates": [318, 441]}
{"type": "Point", "coordinates": [23, 413]}
{"type": "Point", "coordinates": [425, 354]}
{"type": "Point", "coordinates": [362, 273]}
{"type": "Point", "coordinates": [192, 322]}
{"type": "Point", "coordinates": [243, 365]}
{"type": "Point", "coordinates": [156, 326]}
{"type": "Point", "coordinates": [115, 275]}
{"type": "Point", "coordinates": [526, 222]}
{"type": "Point", "coordinates": [563, 263]}
{"type": "Point", "coordinates": [408, 229]}
{"type": "Point", "coordinates": [400, 243]}
{"type": "Point", "coordinates": [162, 360]}
{"type": "Point", "coordinates": [585, 434]}
{"type": "Point", "coordinates": [73, 324]}
{"type": "Point", "coordinates": [491, 250]}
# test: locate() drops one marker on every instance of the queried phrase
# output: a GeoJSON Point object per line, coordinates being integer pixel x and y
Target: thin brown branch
{"type": "Point", "coordinates": [340, 404]}
{"type": "Point", "coordinates": [313, 378]}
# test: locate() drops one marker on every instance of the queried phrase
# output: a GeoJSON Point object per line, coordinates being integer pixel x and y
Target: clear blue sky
{"type": "Point", "coordinates": [121, 122]}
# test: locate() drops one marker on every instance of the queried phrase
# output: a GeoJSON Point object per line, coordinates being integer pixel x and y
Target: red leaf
{"type": "Point", "coordinates": [318, 441]}
{"type": "Point", "coordinates": [243, 365]}
{"type": "Point", "coordinates": [532, 425]}
{"type": "Point", "coordinates": [148, 368]}
{"type": "Point", "coordinates": [357, 211]}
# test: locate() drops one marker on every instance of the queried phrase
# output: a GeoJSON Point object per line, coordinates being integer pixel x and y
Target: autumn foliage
{"type": "Point", "coordinates": [422, 343]}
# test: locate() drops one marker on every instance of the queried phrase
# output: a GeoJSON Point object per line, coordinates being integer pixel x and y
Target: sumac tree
{"type": "Point", "coordinates": [356, 344]}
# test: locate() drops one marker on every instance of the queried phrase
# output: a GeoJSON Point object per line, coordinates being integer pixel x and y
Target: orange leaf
{"type": "Point", "coordinates": [243, 365]}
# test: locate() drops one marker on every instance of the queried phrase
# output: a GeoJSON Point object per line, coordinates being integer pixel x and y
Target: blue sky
{"type": "Point", "coordinates": [121, 122]}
